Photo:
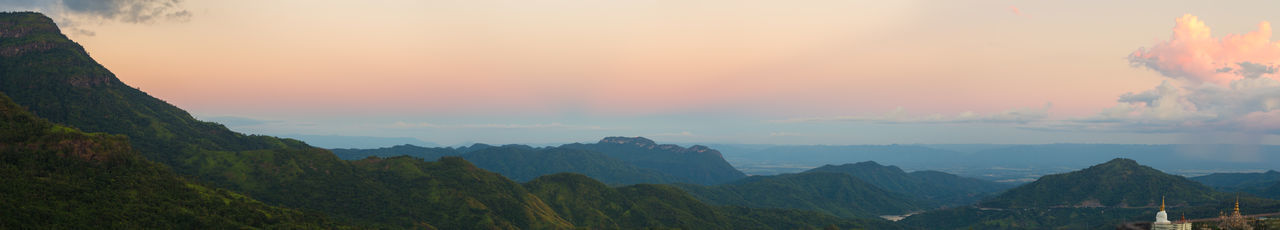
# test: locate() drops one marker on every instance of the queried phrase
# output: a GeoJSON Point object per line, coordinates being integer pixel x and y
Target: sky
{"type": "Point", "coordinates": [709, 71]}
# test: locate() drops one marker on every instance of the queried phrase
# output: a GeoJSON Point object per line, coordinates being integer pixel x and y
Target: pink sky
{"type": "Point", "coordinates": [754, 61]}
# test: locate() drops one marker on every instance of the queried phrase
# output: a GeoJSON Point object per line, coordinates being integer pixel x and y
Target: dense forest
{"type": "Point", "coordinates": [59, 177]}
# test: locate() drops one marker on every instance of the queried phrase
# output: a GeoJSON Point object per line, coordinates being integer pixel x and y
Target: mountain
{"type": "Point", "coordinates": [524, 163]}
{"type": "Point", "coordinates": [426, 153]}
{"type": "Point", "coordinates": [59, 177]}
{"type": "Point", "coordinates": [1116, 183]}
{"type": "Point", "coordinates": [1254, 183]}
{"type": "Point", "coordinates": [942, 188]}
{"type": "Point", "coordinates": [590, 203]}
{"type": "Point", "coordinates": [615, 160]}
{"type": "Point", "coordinates": [1101, 196]}
{"type": "Point", "coordinates": [1272, 191]}
{"type": "Point", "coordinates": [697, 164]}
{"type": "Point", "coordinates": [833, 193]}
{"type": "Point", "coordinates": [337, 141]}
{"type": "Point", "coordinates": [56, 79]}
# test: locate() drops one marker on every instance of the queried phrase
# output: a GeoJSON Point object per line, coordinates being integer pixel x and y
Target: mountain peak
{"type": "Point", "coordinates": [1117, 183]}
{"type": "Point", "coordinates": [1122, 161]}
{"type": "Point", "coordinates": [637, 141]}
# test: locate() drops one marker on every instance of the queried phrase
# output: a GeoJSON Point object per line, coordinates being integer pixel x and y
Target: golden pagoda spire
{"type": "Point", "coordinates": [1162, 203]}
{"type": "Point", "coordinates": [1237, 203]}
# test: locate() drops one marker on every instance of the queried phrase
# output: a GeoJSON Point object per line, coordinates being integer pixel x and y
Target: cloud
{"type": "Point", "coordinates": [900, 116]}
{"type": "Point", "coordinates": [71, 14]}
{"type": "Point", "coordinates": [1015, 11]}
{"type": "Point", "coordinates": [1194, 55]}
{"type": "Point", "coordinates": [1214, 85]}
{"type": "Point", "coordinates": [553, 125]}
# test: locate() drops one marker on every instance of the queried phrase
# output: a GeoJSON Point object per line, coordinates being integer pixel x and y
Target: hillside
{"type": "Point", "coordinates": [938, 187]}
{"type": "Point", "coordinates": [1101, 196]}
{"type": "Point", "coordinates": [523, 163]}
{"type": "Point", "coordinates": [639, 161]}
{"type": "Point", "coordinates": [43, 70]}
{"type": "Point", "coordinates": [833, 193]}
{"type": "Point", "coordinates": [1266, 184]}
{"type": "Point", "coordinates": [697, 164]}
{"type": "Point", "coordinates": [59, 177]}
{"type": "Point", "coordinates": [1116, 183]}
{"type": "Point", "coordinates": [589, 203]}
{"type": "Point", "coordinates": [424, 153]}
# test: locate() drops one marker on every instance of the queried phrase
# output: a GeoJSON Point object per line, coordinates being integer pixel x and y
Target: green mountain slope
{"type": "Point", "coordinates": [54, 77]}
{"type": "Point", "coordinates": [833, 193]}
{"type": "Point", "coordinates": [523, 163]}
{"type": "Point", "coordinates": [1253, 183]}
{"type": "Point", "coordinates": [938, 187]}
{"type": "Point", "coordinates": [58, 177]}
{"type": "Point", "coordinates": [589, 203]}
{"type": "Point", "coordinates": [696, 164]}
{"type": "Point", "coordinates": [1116, 183]}
{"type": "Point", "coordinates": [425, 153]}
{"type": "Point", "coordinates": [1098, 197]}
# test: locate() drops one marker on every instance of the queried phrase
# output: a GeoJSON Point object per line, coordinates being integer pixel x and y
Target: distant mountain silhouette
{"type": "Point", "coordinates": [614, 160]}
{"type": "Point", "coordinates": [937, 187]}
{"type": "Point", "coordinates": [1116, 183]}
{"type": "Point", "coordinates": [697, 164]}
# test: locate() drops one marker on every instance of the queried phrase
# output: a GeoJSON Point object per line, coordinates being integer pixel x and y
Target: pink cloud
{"type": "Point", "coordinates": [1193, 54]}
{"type": "Point", "coordinates": [1015, 10]}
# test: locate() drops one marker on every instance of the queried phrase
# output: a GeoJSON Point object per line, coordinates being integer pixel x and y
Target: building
{"type": "Point", "coordinates": [1235, 220]}
{"type": "Point", "coordinates": [1163, 223]}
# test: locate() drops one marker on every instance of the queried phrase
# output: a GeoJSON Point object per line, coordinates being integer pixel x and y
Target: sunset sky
{"type": "Point", "coordinates": [711, 71]}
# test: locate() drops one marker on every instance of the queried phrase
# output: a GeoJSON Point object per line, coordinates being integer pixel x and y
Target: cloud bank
{"type": "Point", "coordinates": [1194, 55]}
{"type": "Point", "coordinates": [1223, 84]}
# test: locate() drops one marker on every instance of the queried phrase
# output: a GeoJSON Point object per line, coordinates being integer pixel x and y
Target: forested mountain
{"type": "Point", "coordinates": [697, 164]}
{"type": "Point", "coordinates": [54, 77]}
{"type": "Point", "coordinates": [1101, 196]}
{"type": "Point", "coordinates": [59, 177]}
{"type": "Point", "coordinates": [614, 160]}
{"type": "Point", "coordinates": [425, 153]}
{"type": "Point", "coordinates": [587, 202]}
{"type": "Point", "coordinates": [834, 193]}
{"type": "Point", "coordinates": [523, 163]}
{"type": "Point", "coordinates": [937, 187]}
{"type": "Point", "coordinates": [1266, 184]}
{"type": "Point", "coordinates": [1119, 182]}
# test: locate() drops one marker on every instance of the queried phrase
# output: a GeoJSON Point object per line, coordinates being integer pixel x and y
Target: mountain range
{"type": "Point", "coordinates": [942, 189]}
{"type": "Point", "coordinates": [1100, 196]}
{"type": "Point", "coordinates": [251, 181]}
{"type": "Point", "coordinates": [1265, 184]}
{"type": "Point", "coordinates": [613, 160]}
